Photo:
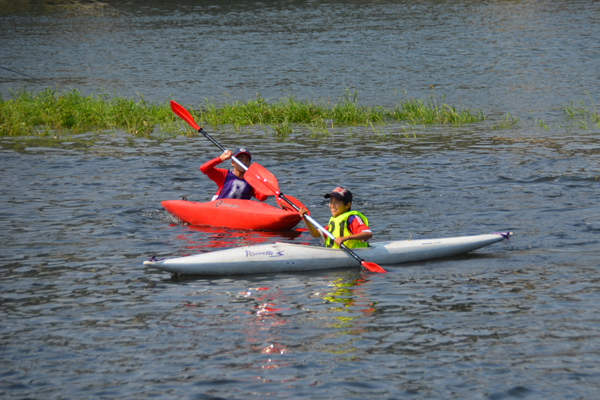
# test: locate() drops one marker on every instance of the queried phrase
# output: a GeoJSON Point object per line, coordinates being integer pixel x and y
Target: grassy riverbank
{"type": "Point", "coordinates": [345, 112]}
{"type": "Point", "coordinates": [50, 112]}
{"type": "Point", "coordinates": [67, 112]}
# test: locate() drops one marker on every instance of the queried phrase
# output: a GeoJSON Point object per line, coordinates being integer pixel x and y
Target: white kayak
{"type": "Point", "coordinates": [286, 257]}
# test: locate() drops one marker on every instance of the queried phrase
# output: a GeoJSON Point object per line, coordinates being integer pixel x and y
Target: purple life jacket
{"type": "Point", "coordinates": [234, 188]}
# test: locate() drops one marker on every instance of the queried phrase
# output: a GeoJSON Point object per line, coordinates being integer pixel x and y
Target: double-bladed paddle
{"type": "Point", "coordinates": [257, 184]}
{"type": "Point", "coordinates": [265, 182]}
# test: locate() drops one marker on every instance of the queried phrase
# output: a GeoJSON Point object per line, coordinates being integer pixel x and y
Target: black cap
{"type": "Point", "coordinates": [340, 193]}
{"type": "Point", "coordinates": [242, 151]}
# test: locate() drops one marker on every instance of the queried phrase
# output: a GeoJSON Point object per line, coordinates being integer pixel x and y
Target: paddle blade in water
{"type": "Point", "coordinates": [262, 180]}
{"type": "Point", "coordinates": [372, 267]}
{"type": "Point", "coordinates": [184, 115]}
{"type": "Point", "coordinates": [286, 206]}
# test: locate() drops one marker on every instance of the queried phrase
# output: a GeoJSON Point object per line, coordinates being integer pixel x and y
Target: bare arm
{"type": "Point", "coordinates": [311, 228]}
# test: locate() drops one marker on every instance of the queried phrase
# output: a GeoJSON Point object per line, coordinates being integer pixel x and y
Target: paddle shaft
{"type": "Point", "coordinates": [206, 135]}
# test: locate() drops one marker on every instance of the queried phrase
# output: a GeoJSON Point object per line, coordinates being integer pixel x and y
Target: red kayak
{"type": "Point", "coordinates": [234, 214]}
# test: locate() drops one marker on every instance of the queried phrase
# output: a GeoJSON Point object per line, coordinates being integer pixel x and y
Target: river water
{"type": "Point", "coordinates": [81, 317]}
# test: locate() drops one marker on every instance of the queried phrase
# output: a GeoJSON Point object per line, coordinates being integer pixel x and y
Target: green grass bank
{"type": "Point", "coordinates": [52, 112]}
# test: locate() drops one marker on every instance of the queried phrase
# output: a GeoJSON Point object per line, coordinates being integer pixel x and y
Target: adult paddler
{"type": "Point", "coordinates": [231, 183]}
{"type": "Point", "coordinates": [348, 227]}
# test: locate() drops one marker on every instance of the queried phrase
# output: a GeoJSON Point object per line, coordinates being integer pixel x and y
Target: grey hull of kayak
{"type": "Point", "coordinates": [287, 257]}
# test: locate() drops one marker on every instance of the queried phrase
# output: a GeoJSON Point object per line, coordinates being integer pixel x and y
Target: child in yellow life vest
{"type": "Point", "coordinates": [349, 227]}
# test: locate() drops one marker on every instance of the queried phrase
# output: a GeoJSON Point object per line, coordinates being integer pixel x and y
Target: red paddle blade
{"type": "Point", "coordinates": [373, 267]}
{"type": "Point", "coordinates": [262, 180]}
{"type": "Point", "coordinates": [183, 114]}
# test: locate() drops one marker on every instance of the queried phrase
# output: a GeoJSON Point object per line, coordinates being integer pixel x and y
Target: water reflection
{"type": "Point", "coordinates": [264, 331]}
{"type": "Point", "coordinates": [350, 302]}
{"type": "Point", "coordinates": [204, 238]}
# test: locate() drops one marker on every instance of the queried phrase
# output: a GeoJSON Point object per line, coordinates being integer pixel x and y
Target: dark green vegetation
{"type": "Point", "coordinates": [581, 114]}
{"type": "Point", "coordinates": [317, 116]}
{"type": "Point", "coordinates": [577, 115]}
{"type": "Point", "coordinates": [52, 112]}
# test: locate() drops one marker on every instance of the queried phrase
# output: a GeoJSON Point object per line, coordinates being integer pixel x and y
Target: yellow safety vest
{"type": "Point", "coordinates": [338, 226]}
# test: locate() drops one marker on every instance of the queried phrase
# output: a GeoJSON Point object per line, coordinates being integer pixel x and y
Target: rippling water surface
{"type": "Point", "coordinates": [83, 318]}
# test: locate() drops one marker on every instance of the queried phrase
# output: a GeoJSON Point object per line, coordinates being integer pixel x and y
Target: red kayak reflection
{"type": "Point", "coordinates": [265, 330]}
{"type": "Point", "coordinates": [207, 238]}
